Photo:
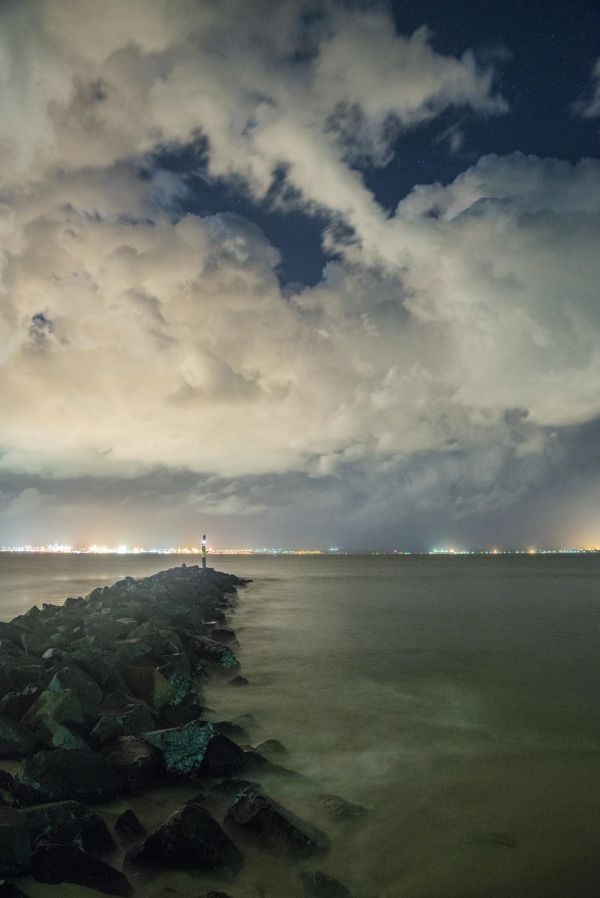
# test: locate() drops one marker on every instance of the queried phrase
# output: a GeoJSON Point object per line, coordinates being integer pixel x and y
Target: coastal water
{"type": "Point", "coordinates": [458, 698]}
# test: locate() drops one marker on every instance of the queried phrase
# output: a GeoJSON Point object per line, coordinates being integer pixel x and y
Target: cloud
{"type": "Point", "coordinates": [588, 104]}
{"type": "Point", "coordinates": [437, 362]}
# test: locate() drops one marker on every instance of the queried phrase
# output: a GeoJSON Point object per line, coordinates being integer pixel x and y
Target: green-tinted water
{"type": "Point", "coordinates": [458, 698]}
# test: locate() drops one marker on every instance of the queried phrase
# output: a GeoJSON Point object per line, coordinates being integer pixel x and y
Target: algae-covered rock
{"type": "Point", "coordinates": [130, 722]}
{"type": "Point", "coordinates": [150, 685]}
{"type": "Point", "coordinates": [182, 748]}
{"type": "Point", "coordinates": [190, 838]}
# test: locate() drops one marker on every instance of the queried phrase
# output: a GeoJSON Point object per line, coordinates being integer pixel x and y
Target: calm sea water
{"type": "Point", "coordinates": [458, 698]}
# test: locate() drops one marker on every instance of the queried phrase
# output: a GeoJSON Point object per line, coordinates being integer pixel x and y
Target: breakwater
{"type": "Point", "coordinates": [101, 702]}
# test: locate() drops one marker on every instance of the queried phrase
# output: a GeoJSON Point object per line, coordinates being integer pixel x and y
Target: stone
{"type": "Point", "coordinates": [275, 826]}
{"type": "Point", "coordinates": [16, 704]}
{"type": "Point", "coordinates": [68, 823]}
{"type": "Point", "coordinates": [239, 681]}
{"type": "Point", "coordinates": [73, 679]}
{"type": "Point", "coordinates": [63, 863]}
{"type": "Point", "coordinates": [190, 838]}
{"type": "Point", "coordinates": [339, 809]}
{"type": "Point", "coordinates": [15, 740]}
{"type": "Point", "coordinates": [232, 730]}
{"type": "Point", "coordinates": [8, 791]}
{"type": "Point", "coordinates": [234, 787]}
{"type": "Point", "coordinates": [271, 747]}
{"type": "Point", "coordinates": [150, 685]}
{"type": "Point", "coordinates": [62, 774]}
{"type": "Point", "coordinates": [182, 748]}
{"type": "Point", "coordinates": [132, 721]}
{"type": "Point", "coordinates": [211, 652]}
{"type": "Point", "coordinates": [10, 890]}
{"type": "Point", "coordinates": [187, 710]}
{"type": "Point", "coordinates": [135, 761]}
{"type": "Point", "coordinates": [15, 843]}
{"type": "Point", "coordinates": [319, 885]}
{"type": "Point", "coordinates": [128, 826]}
{"type": "Point", "coordinates": [179, 674]}
{"type": "Point", "coordinates": [222, 757]}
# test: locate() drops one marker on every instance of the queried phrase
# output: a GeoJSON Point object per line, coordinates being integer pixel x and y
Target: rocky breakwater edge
{"type": "Point", "coordinates": [101, 701]}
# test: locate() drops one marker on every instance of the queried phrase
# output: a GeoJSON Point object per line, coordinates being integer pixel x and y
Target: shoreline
{"type": "Point", "coordinates": [101, 699]}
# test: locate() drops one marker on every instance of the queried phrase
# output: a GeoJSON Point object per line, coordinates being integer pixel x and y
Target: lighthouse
{"type": "Point", "coordinates": [203, 550]}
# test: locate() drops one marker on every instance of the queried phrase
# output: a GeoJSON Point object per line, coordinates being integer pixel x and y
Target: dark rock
{"type": "Point", "coordinates": [223, 635]}
{"type": "Point", "coordinates": [131, 722]}
{"type": "Point", "coordinates": [182, 748]}
{"type": "Point", "coordinates": [128, 826]}
{"type": "Point", "coordinates": [135, 761]}
{"type": "Point", "coordinates": [239, 681]}
{"type": "Point", "coordinates": [217, 895]}
{"type": "Point", "coordinates": [63, 863]}
{"type": "Point", "coordinates": [275, 826]}
{"type": "Point", "coordinates": [10, 890]}
{"type": "Point", "coordinates": [232, 730]}
{"type": "Point", "coordinates": [234, 787]}
{"type": "Point", "coordinates": [319, 885]}
{"type": "Point", "coordinates": [15, 843]}
{"type": "Point", "coordinates": [187, 710]}
{"type": "Point", "coordinates": [63, 774]}
{"type": "Point", "coordinates": [73, 679]}
{"type": "Point", "coordinates": [190, 838]}
{"type": "Point", "coordinates": [15, 740]}
{"type": "Point", "coordinates": [211, 652]}
{"type": "Point", "coordinates": [271, 747]}
{"type": "Point", "coordinates": [16, 704]}
{"type": "Point", "coordinates": [10, 632]}
{"type": "Point", "coordinates": [222, 757]}
{"type": "Point", "coordinates": [179, 674]}
{"type": "Point", "coordinates": [339, 809]}
{"type": "Point", "coordinates": [8, 791]}
{"type": "Point", "coordinates": [68, 823]}
{"type": "Point", "coordinates": [150, 685]}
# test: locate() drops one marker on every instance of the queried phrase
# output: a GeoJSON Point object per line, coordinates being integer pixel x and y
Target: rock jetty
{"type": "Point", "coordinates": [101, 698]}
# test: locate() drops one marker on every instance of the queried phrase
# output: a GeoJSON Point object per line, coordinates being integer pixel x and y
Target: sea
{"type": "Point", "coordinates": [457, 698]}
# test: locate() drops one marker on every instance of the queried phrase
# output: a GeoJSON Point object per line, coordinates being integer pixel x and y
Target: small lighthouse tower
{"type": "Point", "coordinates": [203, 550]}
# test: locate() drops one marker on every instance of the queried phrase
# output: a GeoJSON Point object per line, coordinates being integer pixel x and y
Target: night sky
{"type": "Point", "coordinates": [300, 273]}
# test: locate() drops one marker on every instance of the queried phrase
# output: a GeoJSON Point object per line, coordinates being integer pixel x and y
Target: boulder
{"type": "Point", "coordinates": [339, 809]}
{"type": "Point", "coordinates": [130, 722]}
{"type": "Point", "coordinates": [182, 748]}
{"type": "Point", "coordinates": [68, 823]}
{"type": "Point", "coordinates": [239, 681]}
{"type": "Point", "coordinates": [10, 890]}
{"type": "Point", "coordinates": [8, 791]}
{"type": "Point", "coordinates": [16, 704]}
{"type": "Point", "coordinates": [190, 838]}
{"type": "Point", "coordinates": [275, 826]}
{"type": "Point", "coordinates": [211, 652]}
{"type": "Point", "coordinates": [271, 747]}
{"type": "Point", "coordinates": [15, 740]}
{"type": "Point", "coordinates": [128, 826]}
{"type": "Point", "coordinates": [73, 679]}
{"type": "Point", "coordinates": [135, 761]}
{"type": "Point", "coordinates": [15, 843]}
{"type": "Point", "coordinates": [62, 774]}
{"type": "Point", "coordinates": [319, 885]}
{"type": "Point", "coordinates": [190, 708]}
{"type": "Point", "coordinates": [178, 673]}
{"type": "Point", "coordinates": [222, 757]}
{"type": "Point", "coordinates": [63, 863]}
{"type": "Point", "coordinates": [150, 685]}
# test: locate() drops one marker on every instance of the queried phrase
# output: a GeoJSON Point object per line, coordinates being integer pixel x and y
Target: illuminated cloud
{"type": "Point", "coordinates": [435, 364]}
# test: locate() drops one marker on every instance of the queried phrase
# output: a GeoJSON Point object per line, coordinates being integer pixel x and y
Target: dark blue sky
{"type": "Point", "coordinates": [543, 53]}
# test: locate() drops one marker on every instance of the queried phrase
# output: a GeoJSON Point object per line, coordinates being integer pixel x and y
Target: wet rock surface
{"type": "Point", "coordinates": [191, 838]}
{"type": "Point", "coordinates": [66, 863]}
{"type": "Point", "coordinates": [275, 826]}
